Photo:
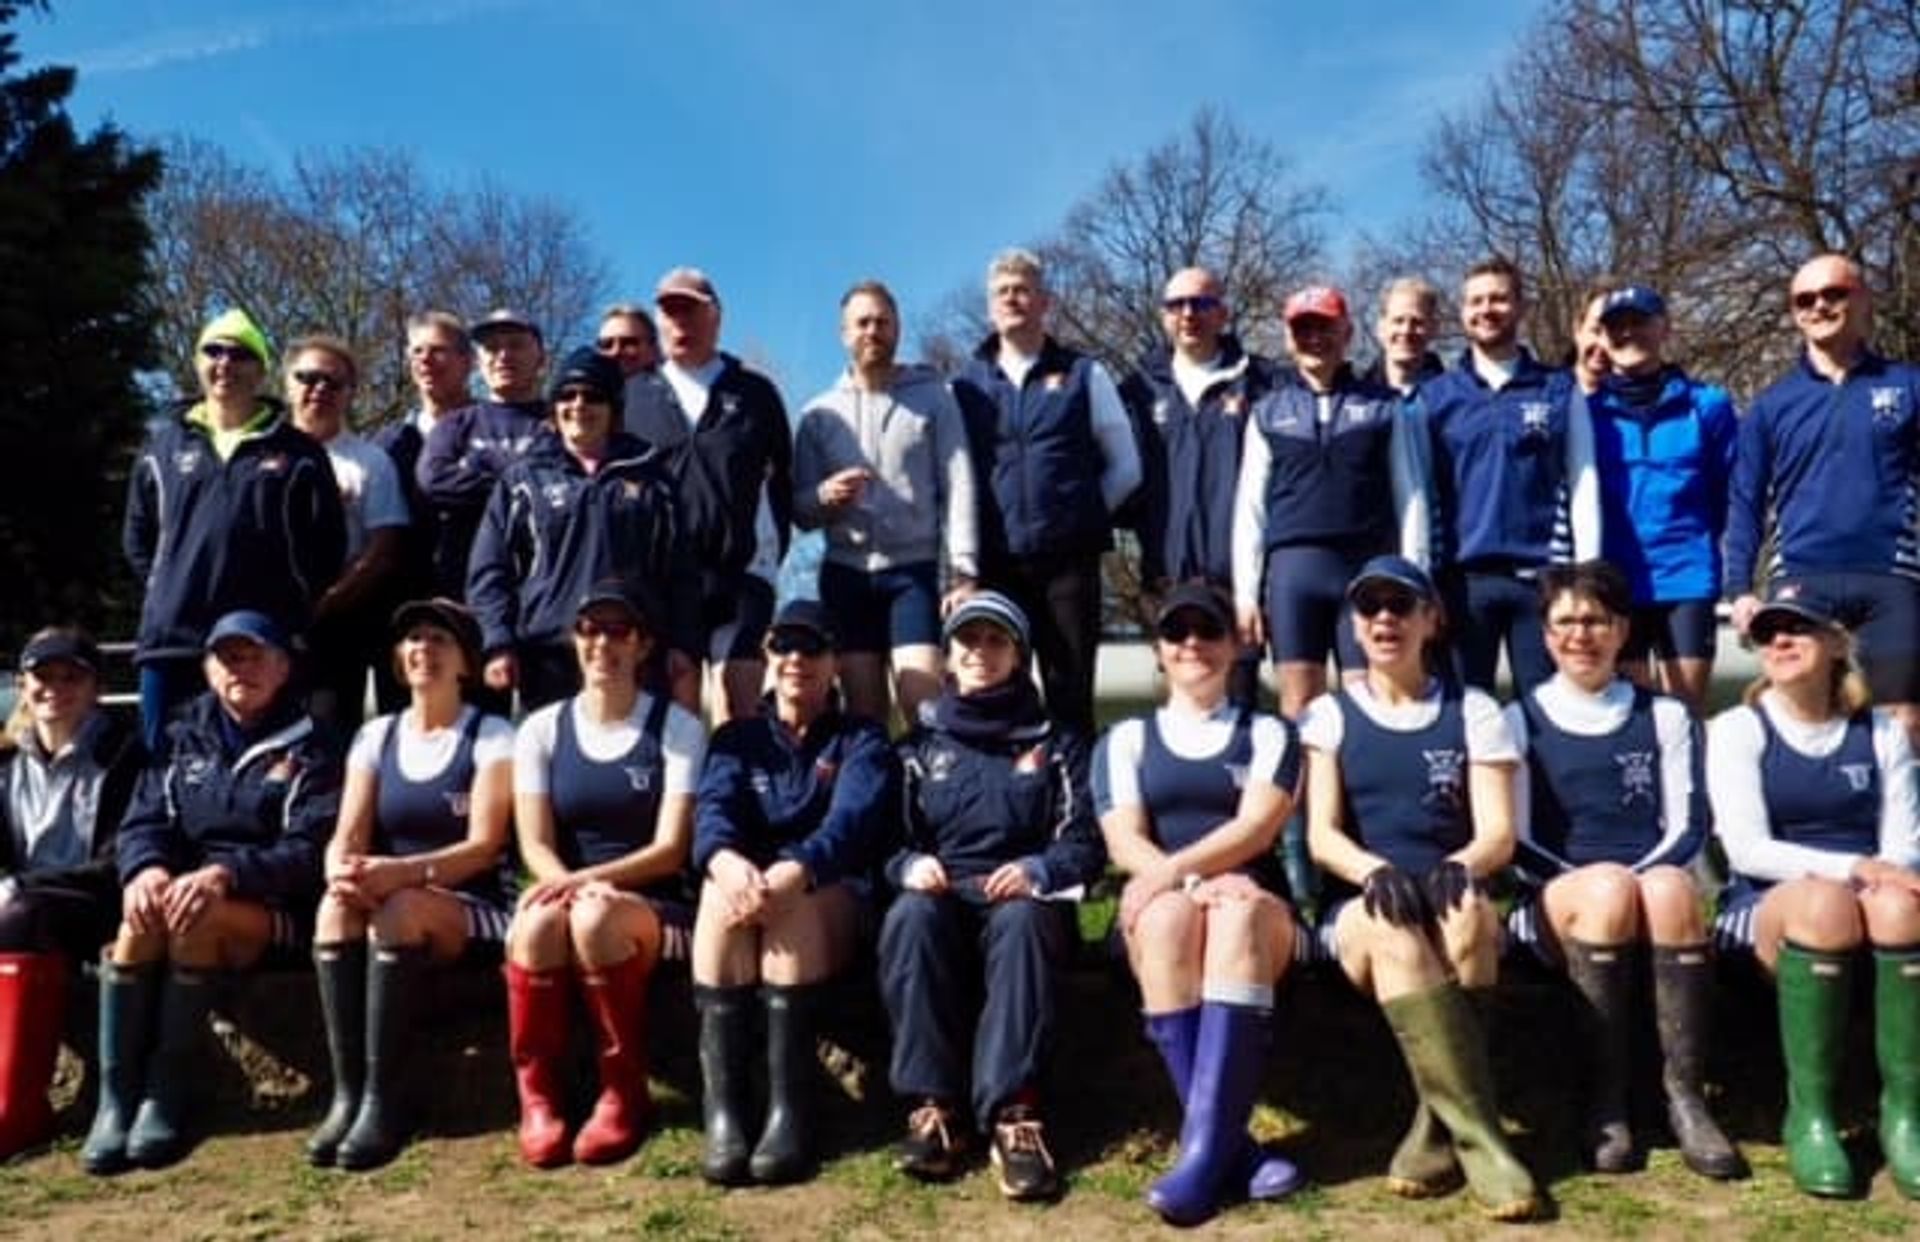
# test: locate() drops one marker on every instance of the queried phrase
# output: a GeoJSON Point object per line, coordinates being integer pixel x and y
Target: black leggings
{"type": "Point", "coordinates": [65, 919]}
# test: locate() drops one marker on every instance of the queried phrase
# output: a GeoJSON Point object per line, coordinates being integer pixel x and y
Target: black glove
{"type": "Point", "coordinates": [1448, 885]}
{"type": "Point", "coordinates": [1391, 894]}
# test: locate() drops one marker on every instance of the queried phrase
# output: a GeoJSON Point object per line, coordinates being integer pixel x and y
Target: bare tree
{"type": "Point", "coordinates": [352, 243]}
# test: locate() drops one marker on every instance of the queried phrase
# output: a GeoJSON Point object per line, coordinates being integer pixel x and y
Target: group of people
{"type": "Point", "coordinates": [607, 553]}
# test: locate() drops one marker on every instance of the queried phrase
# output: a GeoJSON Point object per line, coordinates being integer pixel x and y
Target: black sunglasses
{"type": "Point", "coordinates": [1177, 629]}
{"type": "Point", "coordinates": [1767, 629]}
{"type": "Point", "coordinates": [1832, 295]}
{"type": "Point", "coordinates": [216, 350]}
{"type": "Point", "coordinates": [796, 642]}
{"type": "Point", "coordinates": [580, 392]}
{"type": "Point", "coordinates": [1199, 304]}
{"type": "Point", "coordinates": [319, 379]}
{"type": "Point", "coordinates": [607, 344]}
{"type": "Point", "coordinates": [1399, 602]}
{"type": "Point", "coordinates": [612, 631]}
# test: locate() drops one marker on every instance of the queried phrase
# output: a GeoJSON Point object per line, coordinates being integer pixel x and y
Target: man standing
{"type": "Point", "coordinates": [1828, 465]}
{"type": "Point", "coordinates": [1190, 400]}
{"type": "Point", "coordinates": [350, 627]}
{"type": "Point", "coordinates": [467, 449]}
{"type": "Point", "coordinates": [627, 336]}
{"type": "Point", "coordinates": [722, 429]}
{"type": "Point", "coordinates": [1409, 318]}
{"type": "Point", "coordinates": [1056, 449]}
{"type": "Point", "coordinates": [1514, 481]}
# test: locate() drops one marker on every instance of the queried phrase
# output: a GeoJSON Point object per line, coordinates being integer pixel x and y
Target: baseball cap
{"type": "Point", "coordinates": [449, 615]}
{"type": "Point", "coordinates": [1633, 300]}
{"type": "Point", "coordinates": [621, 593]}
{"type": "Point", "coordinates": [806, 614]}
{"type": "Point", "coordinates": [1792, 600]}
{"type": "Point", "coordinates": [1316, 301]}
{"type": "Point", "coordinates": [1198, 596]}
{"type": "Point", "coordinates": [255, 627]}
{"type": "Point", "coordinates": [685, 282]}
{"type": "Point", "coordinates": [504, 319]}
{"type": "Point", "coordinates": [55, 646]}
{"type": "Point", "coordinates": [1397, 570]}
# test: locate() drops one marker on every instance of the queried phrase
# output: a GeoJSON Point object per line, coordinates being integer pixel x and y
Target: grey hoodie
{"type": "Point", "coordinates": [912, 439]}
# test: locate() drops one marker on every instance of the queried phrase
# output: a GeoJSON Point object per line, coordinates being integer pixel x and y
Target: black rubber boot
{"type": "Point", "coordinates": [128, 995]}
{"type": "Point", "coordinates": [1683, 1011]}
{"type": "Point", "coordinates": [340, 971]}
{"type": "Point", "coordinates": [159, 1136]}
{"type": "Point", "coordinates": [1603, 975]}
{"type": "Point", "coordinates": [726, 1043]}
{"type": "Point", "coordinates": [785, 1150]}
{"type": "Point", "coordinates": [394, 976]}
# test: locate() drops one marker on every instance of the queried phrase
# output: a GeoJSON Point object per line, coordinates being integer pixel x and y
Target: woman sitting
{"type": "Point", "coordinates": [1191, 799]}
{"type": "Point", "coordinates": [67, 768]}
{"type": "Point", "coordinates": [1000, 837]}
{"type": "Point", "coordinates": [795, 806]}
{"type": "Point", "coordinates": [1610, 816]}
{"type": "Point", "coordinates": [220, 858]}
{"type": "Point", "coordinates": [1813, 798]}
{"type": "Point", "coordinates": [603, 786]}
{"type": "Point", "coordinates": [415, 863]}
{"type": "Point", "coordinates": [1409, 809]}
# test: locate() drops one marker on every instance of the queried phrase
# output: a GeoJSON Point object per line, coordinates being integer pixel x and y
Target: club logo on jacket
{"type": "Point", "coordinates": [640, 777]}
{"type": "Point", "coordinates": [824, 770]}
{"type": "Point", "coordinates": [630, 488]}
{"type": "Point", "coordinates": [1363, 411]}
{"type": "Point", "coordinates": [1445, 785]}
{"type": "Point", "coordinates": [194, 769]}
{"type": "Point", "coordinates": [1234, 404]}
{"type": "Point", "coordinates": [1534, 418]}
{"type": "Point", "coordinates": [1031, 760]}
{"type": "Point", "coordinates": [1054, 382]}
{"type": "Point", "coordinates": [1859, 776]}
{"type": "Point", "coordinates": [939, 766]}
{"type": "Point", "coordinates": [459, 802]}
{"type": "Point", "coordinates": [729, 403]}
{"type": "Point", "coordinates": [186, 461]}
{"type": "Point", "coordinates": [284, 769]}
{"type": "Point", "coordinates": [556, 494]}
{"type": "Point", "coordinates": [273, 463]}
{"type": "Point", "coordinates": [1162, 410]}
{"type": "Point", "coordinates": [1886, 405]}
{"type": "Point", "coordinates": [1636, 776]}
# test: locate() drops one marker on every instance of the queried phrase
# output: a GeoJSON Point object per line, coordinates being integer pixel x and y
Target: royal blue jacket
{"type": "Point", "coordinates": [262, 806]}
{"type": "Point", "coordinates": [1664, 470]}
{"type": "Point", "coordinates": [1190, 458]}
{"type": "Point", "coordinates": [1499, 466]}
{"type": "Point", "coordinates": [263, 530]}
{"type": "Point", "coordinates": [827, 801]}
{"type": "Point", "coordinates": [742, 446]}
{"type": "Point", "coordinates": [464, 456]}
{"type": "Point", "coordinates": [1034, 444]}
{"type": "Point", "coordinates": [1837, 466]}
{"type": "Point", "coordinates": [975, 806]}
{"type": "Point", "coordinates": [551, 530]}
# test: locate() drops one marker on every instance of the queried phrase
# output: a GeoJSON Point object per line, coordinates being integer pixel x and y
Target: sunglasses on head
{"type": "Point", "coordinates": [1182, 626]}
{"type": "Point", "coordinates": [612, 630]}
{"type": "Point", "coordinates": [1398, 601]}
{"type": "Point", "coordinates": [319, 379]}
{"type": "Point", "coordinates": [796, 642]}
{"type": "Point", "coordinates": [1832, 295]}
{"type": "Point", "coordinates": [216, 350]}
{"type": "Point", "coordinates": [1198, 303]}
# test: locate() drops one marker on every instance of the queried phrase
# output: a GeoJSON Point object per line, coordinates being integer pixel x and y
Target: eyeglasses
{"type": "Point", "coordinates": [1400, 603]}
{"type": "Point", "coordinates": [217, 350]}
{"type": "Point", "coordinates": [613, 631]}
{"type": "Point", "coordinates": [1177, 629]}
{"type": "Point", "coordinates": [578, 392]}
{"type": "Point", "coordinates": [608, 344]}
{"type": "Point", "coordinates": [796, 642]}
{"type": "Point", "coordinates": [1584, 621]}
{"type": "Point", "coordinates": [319, 379]}
{"type": "Point", "coordinates": [1767, 629]}
{"type": "Point", "coordinates": [1199, 304]}
{"type": "Point", "coordinates": [1832, 295]}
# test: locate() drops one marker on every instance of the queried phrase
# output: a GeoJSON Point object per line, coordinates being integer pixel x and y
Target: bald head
{"type": "Point", "coordinates": [1831, 306]}
{"type": "Point", "coordinates": [1193, 310]}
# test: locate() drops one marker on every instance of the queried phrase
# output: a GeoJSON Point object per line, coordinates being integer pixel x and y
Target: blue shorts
{"type": "Point", "coordinates": [1883, 611]}
{"type": "Point", "coordinates": [1682, 630]}
{"type": "Point", "coordinates": [1733, 925]}
{"type": "Point", "coordinates": [1306, 598]}
{"type": "Point", "coordinates": [884, 609]}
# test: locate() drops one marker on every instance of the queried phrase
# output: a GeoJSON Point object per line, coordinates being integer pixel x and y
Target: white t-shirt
{"type": "Point", "coordinates": [423, 756]}
{"type": "Point", "coordinates": [1323, 727]}
{"type": "Point", "coordinates": [1188, 735]}
{"type": "Point", "coordinates": [369, 488]}
{"type": "Point", "coordinates": [683, 742]}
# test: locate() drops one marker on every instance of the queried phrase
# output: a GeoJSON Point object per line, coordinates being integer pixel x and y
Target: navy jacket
{"type": "Point", "coordinates": [1332, 485]}
{"type": "Point", "coordinates": [826, 802]}
{"type": "Point", "coordinates": [551, 530]}
{"type": "Point", "coordinates": [263, 810]}
{"type": "Point", "coordinates": [1191, 460]}
{"type": "Point", "coordinates": [741, 446]}
{"type": "Point", "coordinates": [263, 530]}
{"type": "Point", "coordinates": [115, 746]}
{"type": "Point", "coordinates": [1034, 445]}
{"type": "Point", "coordinates": [464, 456]}
{"type": "Point", "coordinates": [975, 807]}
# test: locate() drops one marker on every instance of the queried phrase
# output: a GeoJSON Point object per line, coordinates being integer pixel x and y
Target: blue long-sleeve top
{"type": "Point", "coordinates": [463, 457]}
{"type": "Point", "coordinates": [1832, 470]}
{"type": "Point", "coordinates": [825, 800]}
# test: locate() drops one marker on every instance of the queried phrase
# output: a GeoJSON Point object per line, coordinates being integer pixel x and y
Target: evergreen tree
{"type": "Point", "coordinates": [75, 331]}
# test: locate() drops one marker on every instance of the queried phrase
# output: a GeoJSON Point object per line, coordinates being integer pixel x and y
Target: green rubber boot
{"type": "Point", "coordinates": [1896, 1011]}
{"type": "Point", "coordinates": [1814, 989]}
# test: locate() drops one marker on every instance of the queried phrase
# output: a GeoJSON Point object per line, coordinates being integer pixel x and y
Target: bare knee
{"type": "Point", "coordinates": [1598, 904]}
{"type": "Point", "coordinates": [401, 918]}
{"type": "Point", "coordinates": [1243, 940]}
{"type": "Point", "coordinates": [1671, 905]}
{"type": "Point", "coordinates": [338, 921]}
{"type": "Point", "coordinates": [1166, 935]}
{"type": "Point", "coordinates": [538, 938]}
{"type": "Point", "coordinates": [1821, 914]}
{"type": "Point", "coordinates": [1892, 916]}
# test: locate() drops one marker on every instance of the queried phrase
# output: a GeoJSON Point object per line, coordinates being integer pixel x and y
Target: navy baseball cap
{"type": "Point", "coordinates": [502, 320]}
{"type": "Point", "coordinates": [621, 593]}
{"type": "Point", "coordinates": [1633, 300]}
{"type": "Point", "coordinates": [255, 627]}
{"type": "Point", "coordinates": [58, 646]}
{"type": "Point", "coordinates": [1397, 570]}
{"type": "Point", "coordinates": [1198, 596]}
{"type": "Point", "coordinates": [449, 615]}
{"type": "Point", "coordinates": [994, 608]}
{"type": "Point", "coordinates": [1792, 600]}
{"type": "Point", "coordinates": [806, 614]}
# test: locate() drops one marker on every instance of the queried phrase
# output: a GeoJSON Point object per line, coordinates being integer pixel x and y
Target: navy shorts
{"type": "Point", "coordinates": [734, 625]}
{"type": "Point", "coordinates": [1306, 597]}
{"type": "Point", "coordinates": [1686, 629]}
{"type": "Point", "coordinates": [1883, 611]}
{"type": "Point", "coordinates": [884, 609]}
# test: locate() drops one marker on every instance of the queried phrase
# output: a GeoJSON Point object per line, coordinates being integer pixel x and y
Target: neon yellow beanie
{"type": "Point", "coordinates": [237, 326]}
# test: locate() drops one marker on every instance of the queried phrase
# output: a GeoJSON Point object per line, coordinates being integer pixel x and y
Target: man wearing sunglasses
{"type": "Point", "coordinates": [1190, 399]}
{"type": "Point", "coordinates": [228, 507]}
{"type": "Point", "coordinates": [350, 627]}
{"type": "Point", "coordinates": [1828, 468]}
{"type": "Point", "coordinates": [1056, 458]}
{"type": "Point", "coordinates": [627, 336]}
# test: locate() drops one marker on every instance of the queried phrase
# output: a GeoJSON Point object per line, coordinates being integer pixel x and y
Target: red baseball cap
{"type": "Point", "coordinates": [1318, 301]}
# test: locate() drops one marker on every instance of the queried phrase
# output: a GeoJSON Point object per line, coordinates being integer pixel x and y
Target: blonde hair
{"type": "Point", "coordinates": [1017, 261]}
{"type": "Point", "coordinates": [19, 725]}
{"type": "Point", "coordinates": [1847, 690]}
{"type": "Point", "coordinates": [1415, 287]}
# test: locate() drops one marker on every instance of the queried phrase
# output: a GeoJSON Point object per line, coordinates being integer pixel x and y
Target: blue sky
{"type": "Point", "coordinates": [791, 148]}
